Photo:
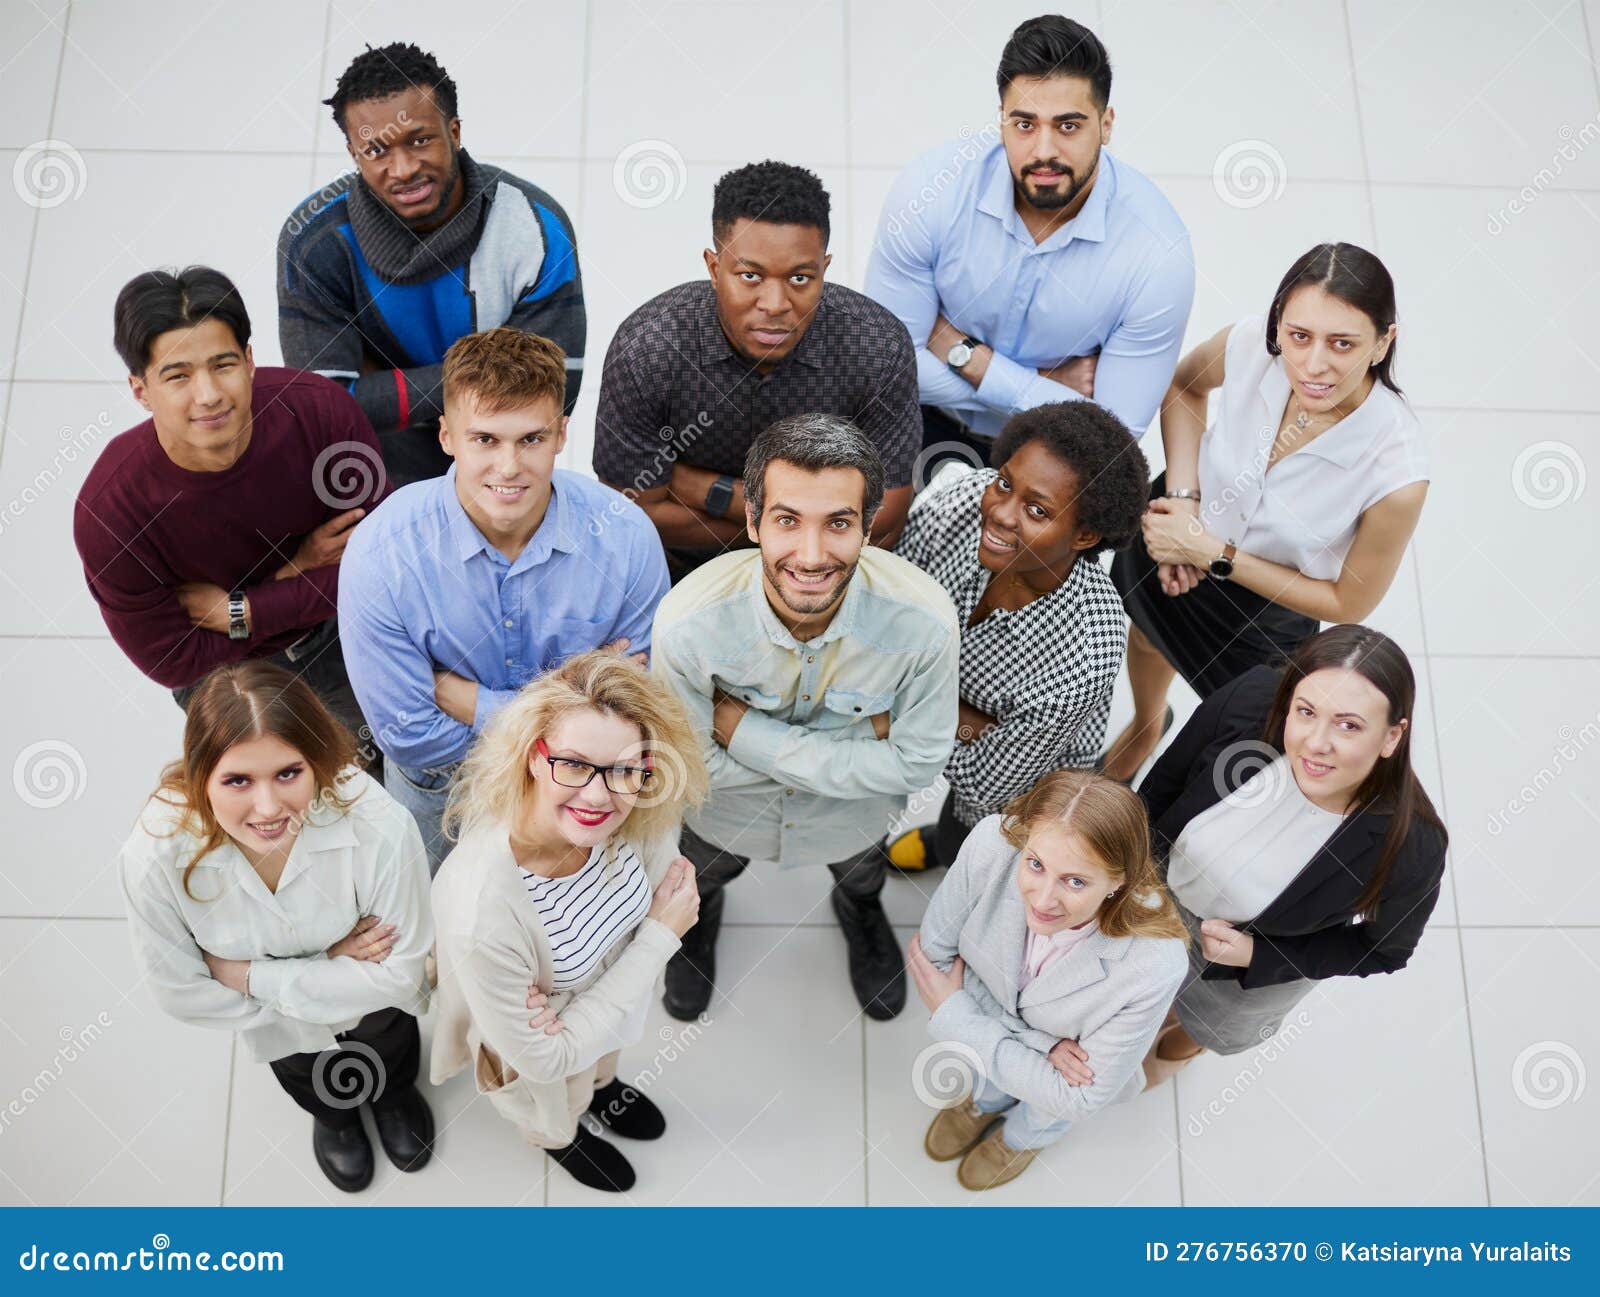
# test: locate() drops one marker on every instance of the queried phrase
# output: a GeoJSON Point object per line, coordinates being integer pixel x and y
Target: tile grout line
{"type": "Point", "coordinates": [227, 1118]}
{"type": "Point", "coordinates": [33, 235]}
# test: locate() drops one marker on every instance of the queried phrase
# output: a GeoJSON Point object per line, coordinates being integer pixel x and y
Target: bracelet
{"type": "Point", "coordinates": [1184, 493]}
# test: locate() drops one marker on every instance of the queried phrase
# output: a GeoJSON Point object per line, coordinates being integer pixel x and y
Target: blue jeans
{"type": "Point", "coordinates": [1025, 1126]}
{"type": "Point", "coordinates": [423, 791]}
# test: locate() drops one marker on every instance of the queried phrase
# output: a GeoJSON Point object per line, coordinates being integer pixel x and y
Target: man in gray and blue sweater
{"type": "Point", "coordinates": [381, 270]}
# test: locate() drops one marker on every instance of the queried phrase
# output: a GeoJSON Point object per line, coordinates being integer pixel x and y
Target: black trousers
{"type": "Point", "coordinates": [860, 877]}
{"type": "Point", "coordinates": [377, 1057]}
{"type": "Point", "coordinates": [318, 659]}
{"type": "Point", "coordinates": [943, 438]}
{"type": "Point", "coordinates": [948, 834]}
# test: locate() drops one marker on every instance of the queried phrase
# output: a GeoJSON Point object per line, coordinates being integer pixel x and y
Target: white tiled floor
{"type": "Point", "coordinates": [1464, 1079]}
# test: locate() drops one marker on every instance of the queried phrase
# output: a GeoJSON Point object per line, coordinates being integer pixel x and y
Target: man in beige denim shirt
{"type": "Point", "coordinates": [822, 677]}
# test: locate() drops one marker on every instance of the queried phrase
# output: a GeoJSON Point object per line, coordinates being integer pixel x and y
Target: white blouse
{"type": "Point", "coordinates": [1303, 512]}
{"type": "Point", "coordinates": [367, 860]}
{"type": "Point", "coordinates": [1236, 858]}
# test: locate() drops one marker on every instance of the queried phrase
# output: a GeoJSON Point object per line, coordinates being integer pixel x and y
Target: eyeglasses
{"type": "Point", "coordinates": [624, 781]}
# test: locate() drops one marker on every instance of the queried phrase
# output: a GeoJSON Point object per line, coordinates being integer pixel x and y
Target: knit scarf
{"type": "Point", "coordinates": [401, 255]}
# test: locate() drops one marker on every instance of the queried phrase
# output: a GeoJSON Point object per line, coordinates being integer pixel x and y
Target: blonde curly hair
{"type": "Point", "coordinates": [495, 782]}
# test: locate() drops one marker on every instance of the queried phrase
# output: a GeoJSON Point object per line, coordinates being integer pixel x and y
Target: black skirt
{"type": "Point", "coordinates": [1217, 631]}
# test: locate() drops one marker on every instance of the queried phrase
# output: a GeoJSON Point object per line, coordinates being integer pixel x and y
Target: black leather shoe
{"type": "Point", "coordinates": [343, 1153]}
{"type": "Point", "coordinates": [692, 972]}
{"type": "Point", "coordinates": [623, 1109]}
{"type": "Point", "coordinates": [877, 966]}
{"type": "Point", "coordinates": [591, 1161]}
{"type": "Point", "coordinates": [405, 1129]}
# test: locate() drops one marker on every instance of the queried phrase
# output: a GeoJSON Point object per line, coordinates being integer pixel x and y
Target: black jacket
{"type": "Point", "coordinates": [1307, 931]}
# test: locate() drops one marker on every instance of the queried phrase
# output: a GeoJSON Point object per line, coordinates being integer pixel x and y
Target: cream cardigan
{"type": "Point", "coordinates": [491, 946]}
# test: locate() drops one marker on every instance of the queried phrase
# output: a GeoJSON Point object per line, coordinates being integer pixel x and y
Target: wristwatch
{"type": "Point", "coordinates": [1221, 567]}
{"type": "Point", "coordinates": [720, 496]}
{"type": "Point", "coordinates": [1184, 493]}
{"type": "Point", "coordinates": [238, 628]}
{"type": "Point", "coordinates": [961, 353]}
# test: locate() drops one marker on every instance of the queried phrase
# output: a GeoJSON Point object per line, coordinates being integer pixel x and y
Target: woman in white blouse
{"type": "Point", "coordinates": [275, 890]}
{"type": "Point", "coordinates": [563, 901]}
{"type": "Point", "coordinates": [1294, 508]}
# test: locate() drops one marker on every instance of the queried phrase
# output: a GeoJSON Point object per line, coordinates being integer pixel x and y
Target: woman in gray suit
{"type": "Point", "coordinates": [1048, 958]}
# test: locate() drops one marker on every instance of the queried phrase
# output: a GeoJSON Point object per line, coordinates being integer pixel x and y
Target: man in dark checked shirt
{"type": "Point", "coordinates": [693, 375]}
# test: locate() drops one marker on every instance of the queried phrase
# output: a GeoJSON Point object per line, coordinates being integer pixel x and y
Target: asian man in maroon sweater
{"type": "Point", "coordinates": [212, 531]}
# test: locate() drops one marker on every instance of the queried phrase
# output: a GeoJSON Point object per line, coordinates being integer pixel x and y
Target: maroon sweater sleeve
{"type": "Point", "coordinates": [347, 467]}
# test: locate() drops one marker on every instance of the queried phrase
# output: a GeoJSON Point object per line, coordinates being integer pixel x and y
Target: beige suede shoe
{"type": "Point", "coordinates": [1158, 1069]}
{"type": "Point", "coordinates": [955, 1130]}
{"type": "Point", "coordinates": [991, 1164]}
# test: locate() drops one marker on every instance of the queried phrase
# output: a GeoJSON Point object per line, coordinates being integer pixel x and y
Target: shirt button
{"type": "Point", "coordinates": [809, 658]}
{"type": "Point", "coordinates": [805, 698]}
{"type": "Point", "coordinates": [509, 623]}
{"type": "Point", "coordinates": [789, 825]}
{"type": "Point", "coordinates": [788, 792]}
{"type": "Point", "coordinates": [508, 661]}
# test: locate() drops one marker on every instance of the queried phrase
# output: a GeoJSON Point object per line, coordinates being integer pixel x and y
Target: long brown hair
{"type": "Point", "coordinates": [1391, 786]}
{"type": "Point", "coordinates": [1110, 819]}
{"type": "Point", "coordinates": [235, 704]}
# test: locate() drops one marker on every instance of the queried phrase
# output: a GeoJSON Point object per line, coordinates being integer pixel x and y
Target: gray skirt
{"type": "Point", "coordinates": [1223, 1016]}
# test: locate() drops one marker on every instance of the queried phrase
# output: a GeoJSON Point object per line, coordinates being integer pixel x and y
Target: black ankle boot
{"type": "Point", "coordinates": [591, 1161]}
{"type": "Point", "coordinates": [692, 972]}
{"type": "Point", "coordinates": [623, 1109]}
{"type": "Point", "coordinates": [877, 966]}
{"type": "Point", "coordinates": [343, 1153]}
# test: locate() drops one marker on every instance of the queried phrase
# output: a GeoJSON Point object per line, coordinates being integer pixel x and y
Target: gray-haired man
{"type": "Point", "coordinates": [822, 675]}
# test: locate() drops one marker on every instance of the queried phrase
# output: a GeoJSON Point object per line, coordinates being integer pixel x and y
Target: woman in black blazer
{"type": "Point", "coordinates": [1293, 832]}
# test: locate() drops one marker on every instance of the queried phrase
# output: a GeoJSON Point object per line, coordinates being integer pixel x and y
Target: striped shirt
{"type": "Point", "coordinates": [588, 912]}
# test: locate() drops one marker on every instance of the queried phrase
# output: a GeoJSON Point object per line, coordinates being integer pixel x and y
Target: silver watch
{"type": "Point", "coordinates": [238, 628]}
{"type": "Point", "coordinates": [961, 353]}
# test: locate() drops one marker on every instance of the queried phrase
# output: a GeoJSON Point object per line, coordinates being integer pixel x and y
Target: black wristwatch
{"type": "Point", "coordinates": [1221, 567]}
{"type": "Point", "coordinates": [720, 497]}
{"type": "Point", "coordinates": [961, 353]}
{"type": "Point", "coordinates": [238, 628]}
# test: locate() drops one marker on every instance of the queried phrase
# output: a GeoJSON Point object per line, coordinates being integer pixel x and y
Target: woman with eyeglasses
{"type": "Point", "coordinates": [562, 902]}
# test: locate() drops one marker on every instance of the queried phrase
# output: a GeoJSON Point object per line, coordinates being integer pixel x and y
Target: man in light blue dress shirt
{"type": "Point", "coordinates": [465, 587]}
{"type": "Point", "coordinates": [1027, 263]}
